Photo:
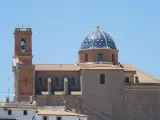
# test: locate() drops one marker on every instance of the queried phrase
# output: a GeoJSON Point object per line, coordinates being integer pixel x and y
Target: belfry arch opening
{"type": "Point", "coordinates": [23, 45]}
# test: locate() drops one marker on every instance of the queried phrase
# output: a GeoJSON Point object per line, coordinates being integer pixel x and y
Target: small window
{"type": "Point", "coordinates": [59, 118]}
{"type": "Point", "coordinates": [25, 112]}
{"type": "Point", "coordinates": [126, 80]}
{"type": "Point", "coordinates": [40, 81]}
{"type": "Point", "coordinates": [102, 79]}
{"type": "Point", "coordinates": [112, 57]}
{"type": "Point", "coordinates": [100, 57]}
{"type": "Point", "coordinates": [73, 81]}
{"type": "Point", "coordinates": [23, 45]}
{"type": "Point", "coordinates": [86, 57]}
{"type": "Point", "coordinates": [9, 112]}
{"type": "Point", "coordinates": [57, 81]}
{"type": "Point", "coordinates": [45, 118]}
{"type": "Point", "coordinates": [25, 81]}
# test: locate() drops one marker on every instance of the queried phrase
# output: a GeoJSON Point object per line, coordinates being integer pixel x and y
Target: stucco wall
{"type": "Point", "coordinates": [137, 104]}
{"type": "Point", "coordinates": [109, 101]}
{"type": "Point", "coordinates": [130, 75]}
{"type": "Point", "coordinates": [93, 91]}
{"type": "Point", "coordinates": [40, 117]}
{"type": "Point", "coordinates": [94, 95]}
{"type": "Point", "coordinates": [17, 114]}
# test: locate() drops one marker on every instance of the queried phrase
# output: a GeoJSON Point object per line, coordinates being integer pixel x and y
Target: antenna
{"type": "Point", "coordinates": [8, 93]}
{"type": "Point", "coordinates": [97, 22]}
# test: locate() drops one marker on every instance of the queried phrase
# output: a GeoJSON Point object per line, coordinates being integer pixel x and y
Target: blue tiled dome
{"type": "Point", "coordinates": [98, 39]}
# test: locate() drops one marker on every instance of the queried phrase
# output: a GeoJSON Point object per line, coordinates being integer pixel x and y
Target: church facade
{"type": "Point", "coordinates": [97, 84]}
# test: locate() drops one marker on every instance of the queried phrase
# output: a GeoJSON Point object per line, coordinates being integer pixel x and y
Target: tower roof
{"type": "Point", "coordinates": [98, 39]}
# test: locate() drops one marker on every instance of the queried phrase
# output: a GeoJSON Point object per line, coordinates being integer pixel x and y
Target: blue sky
{"type": "Point", "coordinates": [59, 27]}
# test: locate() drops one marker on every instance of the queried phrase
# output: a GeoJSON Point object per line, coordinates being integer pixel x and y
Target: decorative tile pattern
{"type": "Point", "coordinates": [98, 39]}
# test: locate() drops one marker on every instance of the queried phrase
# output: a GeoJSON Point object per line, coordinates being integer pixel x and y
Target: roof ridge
{"type": "Point", "coordinates": [54, 64]}
{"type": "Point", "coordinates": [146, 73]}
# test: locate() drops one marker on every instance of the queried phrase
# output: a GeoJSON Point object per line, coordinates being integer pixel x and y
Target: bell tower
{"type": "Point", "coordinates": [23, 44]}
{"type": "Point", "coordinates": [22, 64]}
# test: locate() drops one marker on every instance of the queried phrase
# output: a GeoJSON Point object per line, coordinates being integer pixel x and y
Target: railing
{"type": "Point", "coordinates": [23, 29]}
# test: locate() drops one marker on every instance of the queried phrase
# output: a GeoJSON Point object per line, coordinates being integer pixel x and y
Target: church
{"type": "Point", "coordinates": [97, 84]}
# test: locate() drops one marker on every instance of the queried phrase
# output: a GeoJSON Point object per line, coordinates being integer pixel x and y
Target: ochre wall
{"type": "Point", "coordinates": [92, 55]}
{"type": "Point", "coordinates": [61, 75]}
{"type": "Point", "coordinates": [26, 88]}
{"type": "Point", "coordinates": [109, 101]}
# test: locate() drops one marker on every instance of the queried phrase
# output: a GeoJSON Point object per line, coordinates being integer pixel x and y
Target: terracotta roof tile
{"type": "Point", "coordinates": [99, 66]}
{"type": "Point", "coordinates": [58, 113]}
{"type": "Point", "coordinates": [56, 67]}
{"type": "Point", "coordinates": [73, 67]}
{"type": "Point", "coordinates": [142, 76]}
{"type": "Point", "coordinates": [128, 67]}
{"type": "Point", "coordinates": [146, 78]}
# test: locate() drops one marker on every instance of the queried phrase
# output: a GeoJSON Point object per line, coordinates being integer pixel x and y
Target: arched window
{"type": "Point", "coordinates": [112, 57]}
{"type": "Point", "coordinates": [40, 81]}
{"type": "Point", "coordinates": [57, 81]}
{"type": "Point", "coordinates": [86, 57]}
{"type": "Point", "coordinates": [126, 80]}
{"type": "Point", "coordinates": [100, 57]}
{"type": "Point", "coordinates": [23, 45]}
{"type": "Point", "coordinates": [73, 81]}
{"type": "Point", "coordinates": [102, 79]}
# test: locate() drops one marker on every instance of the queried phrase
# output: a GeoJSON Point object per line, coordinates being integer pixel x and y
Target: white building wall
{"type": "Point", "coordinates": [40, 117]}
{"type": "Point", "coordinates": [17, 113]}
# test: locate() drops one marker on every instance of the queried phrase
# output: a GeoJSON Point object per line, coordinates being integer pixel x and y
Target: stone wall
{"type": "Point", "coordinates": [128, 105]}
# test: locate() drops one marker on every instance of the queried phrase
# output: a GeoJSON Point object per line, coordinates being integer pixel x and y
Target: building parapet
{"type": "Point", "coordinates": [23, 29]}
{"type": "Point", "coordinates": [29, 106]}
{"type": "Point", "coordinates": [17, 105]}
{"type": "Point", "coordinates": [52, 107]}
{"type": "Point", "coordinates": [142, 86]}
